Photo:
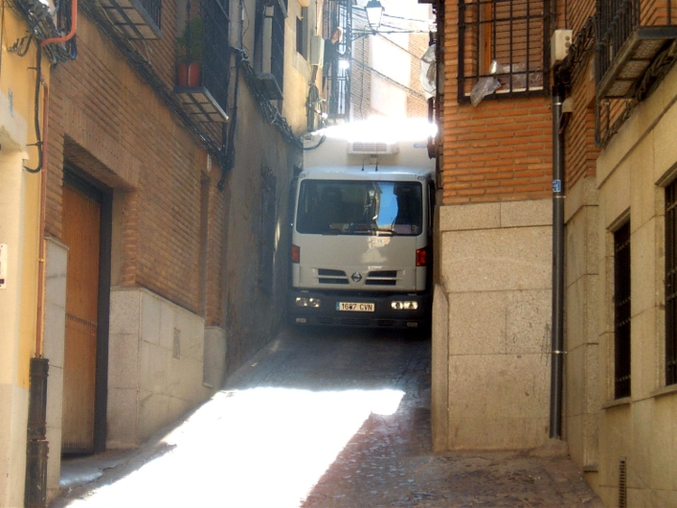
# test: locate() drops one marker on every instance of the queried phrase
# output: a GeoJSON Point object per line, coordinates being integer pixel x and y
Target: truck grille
{"type": "Point", "coordinates": [326, 276]}
{"type": "Point", "coordinates": [382, 278]}
{"type": "Point", "coordinates": [377, 278]}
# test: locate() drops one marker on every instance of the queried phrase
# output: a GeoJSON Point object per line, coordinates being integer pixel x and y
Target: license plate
{"type": "Point", "coordinates": [355, 306]}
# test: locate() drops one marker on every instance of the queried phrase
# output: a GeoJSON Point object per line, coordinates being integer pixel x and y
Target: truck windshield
{"type": "Point", "coordinates": [347, 207]}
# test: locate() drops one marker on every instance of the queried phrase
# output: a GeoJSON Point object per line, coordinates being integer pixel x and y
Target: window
{"type": "Point", "coordinates": [267, 229]}
{"type": "Point", "coordinates": [622, 309]}
{"type": "Point", "coordinates": [502, 47]}
{"type": "Point", "coordinates": [671, 284]}
{"type": "Point", "coordinates": [342, 207]}
{"type": "Point", "coordinates": [269, 45]}
{"type": "Point", "coordinates": [302, 33]}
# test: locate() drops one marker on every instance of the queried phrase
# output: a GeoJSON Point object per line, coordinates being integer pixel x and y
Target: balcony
{"type": "Point", "coordinates": [203, 63]}
{"type": "Point", "coordinates": [137, 19]}
{"type": "Point", "coordinates": [626, 49]}
{"type": "Point", "coordinates": [337, 74]}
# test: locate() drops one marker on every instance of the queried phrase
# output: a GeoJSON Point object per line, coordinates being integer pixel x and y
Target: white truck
{"type": "Point", "coordinates": [362, 235]}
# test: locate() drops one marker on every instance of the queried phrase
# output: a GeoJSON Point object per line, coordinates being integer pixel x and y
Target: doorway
{"type": "Point", "coordinates": [86, 233]}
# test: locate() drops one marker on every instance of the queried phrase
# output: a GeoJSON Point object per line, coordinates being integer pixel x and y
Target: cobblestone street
{"type": "Point", "coordinates": [325, 419]}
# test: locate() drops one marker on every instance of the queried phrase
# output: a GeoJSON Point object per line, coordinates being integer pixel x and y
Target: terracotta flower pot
{"type": "Point", "coordinates": [189, 74]}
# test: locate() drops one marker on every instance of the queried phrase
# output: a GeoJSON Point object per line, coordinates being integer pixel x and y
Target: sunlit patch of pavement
{"type": "Point", "coordinates": [259, 447]}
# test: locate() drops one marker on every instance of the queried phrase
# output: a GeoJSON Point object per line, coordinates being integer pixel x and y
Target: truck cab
{"type": "Point", "coordinates": [362, 243]}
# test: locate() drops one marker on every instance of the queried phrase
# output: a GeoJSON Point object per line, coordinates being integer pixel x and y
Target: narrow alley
{"type": "Point", "coordinates": [321, 418]}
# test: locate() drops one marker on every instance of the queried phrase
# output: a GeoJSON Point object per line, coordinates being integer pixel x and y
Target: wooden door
{"type": "Point", "coordinates": [81, 228]}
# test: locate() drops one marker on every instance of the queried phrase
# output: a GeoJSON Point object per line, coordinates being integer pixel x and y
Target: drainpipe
{"type": "Point", "coordinates": [557, 339]}
{"type": "Point", "coordinates": [37, 446]}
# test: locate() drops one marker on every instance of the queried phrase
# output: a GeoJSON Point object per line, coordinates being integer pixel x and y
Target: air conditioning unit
{"type": "Point", "coordinates": [372, 148]}
{"type": "Point", "coordinates": [316, 53]}
{"type": "Point", "coordinates": [270, 87]}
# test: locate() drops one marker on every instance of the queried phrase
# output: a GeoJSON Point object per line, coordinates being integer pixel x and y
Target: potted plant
{"type": "Point", "coordinates": [189, 52]}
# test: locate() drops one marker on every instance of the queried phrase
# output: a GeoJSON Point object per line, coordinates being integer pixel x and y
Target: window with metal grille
{"type": "Point", "coordinates": [622, 311]}
{"type": "Point", "coordinates": [267, 226]}
{"type": "Point", "coordinates": [269, 28]}
{"type": "Point", "coordinates": [671, 284]}
{"type": "Point", "coordinates": [154, 10]}
{"type": "Point", "coordinates": [502, 48]}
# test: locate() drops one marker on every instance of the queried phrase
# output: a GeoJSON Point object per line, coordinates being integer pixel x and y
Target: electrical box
{"type": "Point", "coordinates": [559, 45]}
{"type": "Point", "coordinates": [316, 54]}
{"type": "Point", "coordinates": [3, 265]}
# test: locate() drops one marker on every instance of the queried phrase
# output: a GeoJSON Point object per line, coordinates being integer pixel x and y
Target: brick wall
{"type": "Point", "coordinates": [110, 124]}
{"type": "Point", "coordinates": [417, 106]}
{"type": "Point", "coordinates": [361, 78]}
{"type": "Point", "coordinates": [500, 150]}
{"type": "Point", "coordinates": [580, 151]}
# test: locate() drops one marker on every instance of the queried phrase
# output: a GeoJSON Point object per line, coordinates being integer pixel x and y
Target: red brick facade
{"type": "Point", "coordinates": [111, 125]}
{"type": "Point", "coordinates": [499, 150]}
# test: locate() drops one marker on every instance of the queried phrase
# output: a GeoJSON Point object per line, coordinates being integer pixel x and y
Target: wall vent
{"type": "Point", "coordinates": [623, 483]}
{"type": "Point", "coordinates": [371, 147]}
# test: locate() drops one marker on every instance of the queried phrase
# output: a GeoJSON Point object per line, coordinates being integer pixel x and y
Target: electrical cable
{"type": "Point", "coordinates": [36, 112]}
{"type": "Point", "coordinates": [41, 26]}
{"type": "Point", "coordinates": [406, 50]}
{"type": "Point", "coordinates": [229, 157]}
{"type": "Point", "coordinates": [413, 92]}
{"type": "Point", "coordinates": [323, 138]}
{"type": "Point", "coordinates": [21, 46]}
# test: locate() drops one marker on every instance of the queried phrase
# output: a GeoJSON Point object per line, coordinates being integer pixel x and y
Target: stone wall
{"type": "Point", "coordinates": [157, 350]}
{"type": "Point", "coordinates": [493, 367]}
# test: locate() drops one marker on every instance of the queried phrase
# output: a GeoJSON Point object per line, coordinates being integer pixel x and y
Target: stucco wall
{"type": "Point", "coordinates": [581, 338]}
{"type": "Point", "coordinates": [256, 265]}
{"type": "Point", "coordinates": [641, 429]}
{"type": "Point", "coordinates": [495, 273]}
{"type": "Point", "coordinates": [19, 193]}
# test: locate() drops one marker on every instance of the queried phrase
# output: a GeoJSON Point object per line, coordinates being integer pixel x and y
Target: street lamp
{"type": "Point", "coordinates": [374, 13]}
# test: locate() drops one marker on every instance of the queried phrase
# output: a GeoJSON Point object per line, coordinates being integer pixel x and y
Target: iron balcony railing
{"type": "Point", "coordinates": [137, 19]}
{"type": "Point", "coordinates": [633, 53]}
{"type": "Point", "coordinates": [339, 14]}
{"type": "Point", "coordinates": [616, 21]}
{"type": "Point", "coordinates": [628, 42]}
{"type": "Point", "coordinates": [203, 61]}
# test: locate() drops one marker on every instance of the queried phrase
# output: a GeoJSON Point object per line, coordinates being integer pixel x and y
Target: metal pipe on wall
{"type": "Point", "coordinates": [557, 338]}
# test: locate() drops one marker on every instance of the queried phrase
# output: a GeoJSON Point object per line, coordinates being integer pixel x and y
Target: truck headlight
{"type": "Point", "coordinates": [308, 302]}
{"type": "Point", "coordinates": [404, 305]}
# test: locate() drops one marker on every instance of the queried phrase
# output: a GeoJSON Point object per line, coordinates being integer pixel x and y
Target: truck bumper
{"type": "Point", "coordinates": [383, 316]}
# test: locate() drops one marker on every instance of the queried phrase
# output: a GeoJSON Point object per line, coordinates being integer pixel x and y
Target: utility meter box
{"type": "Point", "coordinates": [559, 45]}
